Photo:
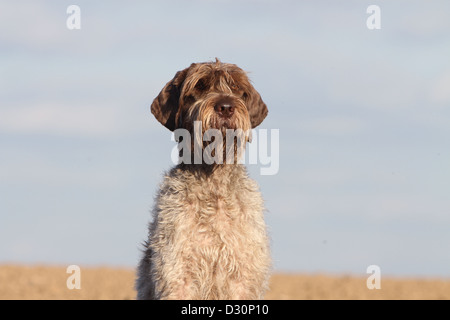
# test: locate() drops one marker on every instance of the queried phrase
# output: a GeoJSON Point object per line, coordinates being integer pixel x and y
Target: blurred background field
{"type": "Point", "coordinates": [98, 283]}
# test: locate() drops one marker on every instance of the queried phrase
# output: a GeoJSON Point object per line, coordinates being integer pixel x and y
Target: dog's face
{"type": "Point", "coordinates": [218, 94]}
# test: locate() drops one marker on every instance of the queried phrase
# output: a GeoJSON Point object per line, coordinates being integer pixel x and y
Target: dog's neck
{"type": "Point", "coordinates": [210, 171]}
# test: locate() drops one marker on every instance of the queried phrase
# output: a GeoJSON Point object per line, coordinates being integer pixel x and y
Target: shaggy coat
{"type": "Point", "coordinates": [208, 238]}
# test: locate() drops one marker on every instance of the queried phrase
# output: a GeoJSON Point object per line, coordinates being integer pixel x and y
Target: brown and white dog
{"type": "Point", "coordinates": [208, 238]}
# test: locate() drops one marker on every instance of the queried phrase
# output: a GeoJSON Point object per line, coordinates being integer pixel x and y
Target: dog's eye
{"type": "Point", "coordinates": [234, 87]}
{"type": "Point", "coordinates": [200, 85]}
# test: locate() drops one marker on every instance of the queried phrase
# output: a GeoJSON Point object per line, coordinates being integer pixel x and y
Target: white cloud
{"type": "Point", "coordinates": [423, 21]}
{"type": "Point", "coordinates": [30, 23]}
{"type": "Point", "coordinates": [37, 27]}
{"type": "Point", "coordinates": [370, 207]}
{"type": "Point", "coordinates": [337, 125]}
{"type": "Point", "coordinates": [440, 92]}
{"type": "Point", "coordinates": [34, 168]}
{"type": "Point", "coordinates": [63, 119]}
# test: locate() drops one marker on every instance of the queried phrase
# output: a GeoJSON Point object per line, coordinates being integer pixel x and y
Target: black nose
{"type": "Point", "coordinates": [224, 110]}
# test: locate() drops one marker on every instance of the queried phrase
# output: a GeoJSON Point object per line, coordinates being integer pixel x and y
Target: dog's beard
{"type": "Point", "coordinates": [221, 140]}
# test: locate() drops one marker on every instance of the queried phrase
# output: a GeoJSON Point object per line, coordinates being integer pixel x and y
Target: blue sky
{"type": "Point", "coordinates": [363, 117]}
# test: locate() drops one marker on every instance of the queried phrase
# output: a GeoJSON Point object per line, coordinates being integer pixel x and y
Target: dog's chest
{"type": "Point", "coordinates": [217, 214]}
{"type": "Point", "coordinates": [209, 233]}
{"type": "Point", "coordinates": [216, 217]}
{"type": "Point", "coordinates": [222, 231]}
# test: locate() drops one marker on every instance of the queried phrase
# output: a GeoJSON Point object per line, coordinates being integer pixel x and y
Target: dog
{"type": "Point", "coordinates": [208, 238]}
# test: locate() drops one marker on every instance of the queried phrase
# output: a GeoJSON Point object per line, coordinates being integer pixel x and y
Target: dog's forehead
{"type": "Point", "coordinates": [215, 69]}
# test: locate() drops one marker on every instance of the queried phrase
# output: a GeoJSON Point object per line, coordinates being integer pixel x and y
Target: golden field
{"type": "Point", "coordinates": [49, 282]}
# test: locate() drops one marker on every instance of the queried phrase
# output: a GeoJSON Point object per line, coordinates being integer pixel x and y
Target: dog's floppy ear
{"type": "Point", "coordinates": [166, 106]}
{"type": "Point", "coordinates": [257, 109]}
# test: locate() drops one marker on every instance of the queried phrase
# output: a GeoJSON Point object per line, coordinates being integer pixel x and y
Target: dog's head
{"type": "Point", "coordinates": [218, 94]}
